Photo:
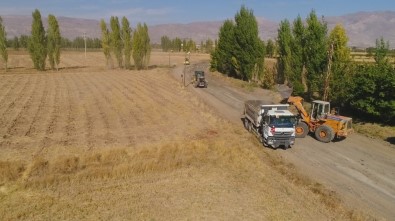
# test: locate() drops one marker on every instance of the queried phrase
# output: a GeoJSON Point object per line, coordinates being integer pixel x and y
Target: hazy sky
{"type": "Point", "coordinates": [177, 11]}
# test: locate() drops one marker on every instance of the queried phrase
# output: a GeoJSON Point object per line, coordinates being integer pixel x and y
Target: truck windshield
{"type": "Point", "coordinates": [282, 121]}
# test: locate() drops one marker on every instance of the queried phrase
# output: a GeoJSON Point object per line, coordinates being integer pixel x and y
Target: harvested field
{"type": "Point", "coordinates": [91, 143]}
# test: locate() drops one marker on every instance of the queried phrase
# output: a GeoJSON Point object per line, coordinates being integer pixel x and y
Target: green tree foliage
{"type": "Point", "coordinates": [15, 43]}
{"type": "Point", "coordinates": [54, 42]}
{"type": "Point", "coordinates": [381, 51]}
{"type": "Point", "coordinates": [372, 91]}
{"type": "Point", "coordinates": [221, 57]}
{"type": "Point", "coordinates": [177, 44]}
{"type": "Point", "coordinates": [341, 68]}
{"type": "Point", "coordinates": [270, 48]}
{"type": "Point", "coordinates": [79, 43]}
{"type": "Point", "coordinates": [141, 46]}
{"type": "Point", "coordinates": [284, 52]}
{"type": "Point", "coordinates": [239, 51]}
{"type": "Point", "coordinates": [208, 46]}
{"type": "Point", "coordinates": [127, 41]}
{"type": "Point", "coordinates": [190, 46]}
{"type": "Point", "coordinates": [116, 40]}
{"type": "Point", "coordinates": [105, 41]}
{"type": "Point", "coordinates": [297, 77]}
{"type": "Point", "coordinates": [3, 44]}
{"type": "Point", "coordinates": [249, 51]}
{"type": "Point", "coordinates": [316, 51]}
{"type": "Point", "coordinates": [38, 42]}
{"type": "Point", "coordinates": [23, 41]}
{"type": "Point", "coordinates": [166, 43]}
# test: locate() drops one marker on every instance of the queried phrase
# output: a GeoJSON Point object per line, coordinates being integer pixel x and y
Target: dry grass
{"type": "Point", "coordinates": [131, 145]}
{"type": "Point", "coordinates": [374, 130]}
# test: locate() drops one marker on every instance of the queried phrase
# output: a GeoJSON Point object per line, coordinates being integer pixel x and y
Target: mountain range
{"type": "Point", "coordinates": [363, 28]}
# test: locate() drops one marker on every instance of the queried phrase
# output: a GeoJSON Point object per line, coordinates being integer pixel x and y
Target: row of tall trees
{"type": "Point", "coordinates": [318, 65]}
{"type": "Point", "coordinates": [178, 44]}
{"type": "Point", "coordinates": [79, 42]}
{"type": "Point", "coordinates": [124, 43]}
{"type": "Point", "coordinates": [42, 45]}
{"type": "Point", "coordinates": [240, 52]}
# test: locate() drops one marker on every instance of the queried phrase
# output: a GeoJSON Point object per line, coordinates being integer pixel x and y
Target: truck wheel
{"type": "Point", "coordinates": [324, 133]}
{"type": "Point", "coordinates": [247, 124]}
{"type": "Point", "coordinates": [301, 130]}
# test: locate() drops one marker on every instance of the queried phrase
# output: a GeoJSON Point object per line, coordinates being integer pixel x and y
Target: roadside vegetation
{"type": "Point", "coordinates": [315, 62]}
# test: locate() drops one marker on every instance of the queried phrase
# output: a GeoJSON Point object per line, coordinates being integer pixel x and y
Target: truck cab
{"type": "Point", "coordinates": [274, 124]}
{"type": "Point", "coordinates": [278, 128]}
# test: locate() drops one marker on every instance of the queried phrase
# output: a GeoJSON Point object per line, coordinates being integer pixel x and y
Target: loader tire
{"type": "Point", "coordinates": [301, 130]}
{"type": "Point", "coordinates": [324, 134]}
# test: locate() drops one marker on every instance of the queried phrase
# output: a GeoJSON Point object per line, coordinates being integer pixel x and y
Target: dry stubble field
{"type": "Point", "coordinates": [91, 143]}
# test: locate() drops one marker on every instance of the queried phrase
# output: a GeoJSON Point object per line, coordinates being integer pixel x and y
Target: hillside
{"type": "Point", "coordinates": [363, 28]}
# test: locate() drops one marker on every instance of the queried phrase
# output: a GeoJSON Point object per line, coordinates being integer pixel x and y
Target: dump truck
{"type": "Point", "coordinates": [274, 124]}
{"type": "Point", "coordinates": [324, 122]}
{"type": "Point", "coordinates": [200, 79]}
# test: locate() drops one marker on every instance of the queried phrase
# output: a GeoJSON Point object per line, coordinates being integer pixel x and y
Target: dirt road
{"type": "Point", "coordinates": [361, 170]}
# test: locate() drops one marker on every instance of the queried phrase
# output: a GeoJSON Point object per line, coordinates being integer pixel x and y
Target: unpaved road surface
{"type": "Point", "coordinates": [361, 170]}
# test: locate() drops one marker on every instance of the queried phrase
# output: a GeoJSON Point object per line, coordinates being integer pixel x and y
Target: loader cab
{"type": "Point", "coordinates": [319, 109]}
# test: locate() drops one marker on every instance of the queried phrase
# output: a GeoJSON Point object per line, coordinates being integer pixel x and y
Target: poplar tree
{"type": "Point", "coordinates": [316, 51]}
{"type": "Point", "coordinates": [127, 41]}
{"type": "Point", "coordinates": [270, 48]}
{"type": "Point", "coordinates": [3, 44]}
{"type": "Point", "coordinates": [340, 77]}
{"type": "Point", "coordinates": [38, 42]}
{"type": "Point", "coordinates": [141, 46]}
{"type": "Point", "coordinates": [105, 43]}
{"type": "Point", "coordinates": [298, 77]}
{"type": "Point", "coordinates": [221, 57]}
{"type": "Point", "coordinates": [116, 40]}
{"type": "Point", "coordinates": [54, 42]}
{"type": "Point", "coordinates": [284, 41]}
{"type": "Point", "coordinates": [249, 49]}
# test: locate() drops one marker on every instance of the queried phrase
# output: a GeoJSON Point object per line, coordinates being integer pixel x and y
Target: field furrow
{"type": "Point", "coordinates": [70, 128]}
{"type": "Point", "coordinates": [95, 109]}
{"type": "Point", "coordinates": [22, 122]}
{"type": "Point", "coordinates": [37, 119]}
{"type": "Point", "coordinates": [7, 83]}
{"type": "Point", "coordinates": [16, 109]}
{"type": "Point", "coordinates": [112, 105]}
{"type": "Point", "coordinates": [55, 115]}
{"type": "Point", "coordinates": [12, 95]}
